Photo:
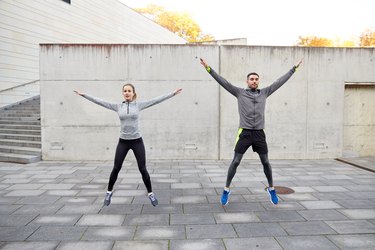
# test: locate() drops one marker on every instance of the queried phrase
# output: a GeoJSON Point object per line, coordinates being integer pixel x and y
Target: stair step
{"type": "Point", "coordinates": [20, 150]}
{"type": "Point", "coordinates": [20, 131]}
{"type": "Point", "coordinates": [2, 121]}
{"type": "Point", "coordinates": [20, 118]}
{"type": "Point", "coordinates": [20, 114]}
{"type": "Point", "coordinates": [14, 126]}
{"type": "Point", "coordinates": [21, 137]}
{"type": "Point", "coordinates": [19, 158]}
{"type": "Point", "coordinates": [33, 144]}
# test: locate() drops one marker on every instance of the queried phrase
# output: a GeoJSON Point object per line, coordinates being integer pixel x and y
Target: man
{"type": "Point", "coordinates": [251, 107]}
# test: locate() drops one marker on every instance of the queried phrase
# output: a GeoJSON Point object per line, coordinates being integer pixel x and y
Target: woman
{"type": "Point", "coordinates": [130, 136]}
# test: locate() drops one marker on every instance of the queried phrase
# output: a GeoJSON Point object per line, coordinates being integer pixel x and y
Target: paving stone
{"type": "Point", "coordinates": [37, 209]}
{"type": "Point", "coordinates": [298, 197]}
{"type": "Point", "coordinates": [80, 209]}
{"type": "Point", "coordinates": [16, 233]}
{"type": "Point", "coordinates": [235, 217]}
{"type": "Point", "coordinates": [61, 233]}
{"type": "Point", "coordinates": [67, 220]}
{"type": "Point", "coordinates": [305, 242]}
{"type": "Point", "coordinates": [101, 220]}
{"type": "Point", "coordinates": [243, 207]}
{"type": "Point", "coordinates": [163, 209]}
{"type": "Point", "coordinates": [48, 245]}
{"type": "Point", "coordinates": [326, 214]}
{"type": "Point", "coordinates": [356, 203]}
{"type": "Point", "coordinates": [15, 220]}
{"type": "Point", "coordinates": [358, 214]}
{"type": "Point", "coordinates": [20, 193]}
{"type": "Point", "coordinates": [45, 200]}
{"type": "Point", "coordinates": [254, 243]}
{"type": "Point", "coordinates": [25, 186]}
{"type": "Point", "coordinates": [320, 204]}
{"type": "Point", "coordinates": [202, 208]}
{"type": "Point", "coordinates": [307, 228]}
{"type": "Point", "coordinates": [282, 205]}
{"type": "Point", "coordinates": [275, 216]}
{"type": "Point", "coordinates": [353, 241]}
{"type": "Point", "coordinates": [210, 231]}
{"type": "Point", "coordinates": [160, 232]}
{"type": "Point", "coordinates": [189, 199]}
{"type": "Point", "coordinates": [185, 185]}
{"type": "Point", "coordinates": [258, 230]}
{"type": "Point", "coordinates": [122, 209]}
{"type": "Point", "coordinates": [77, 200]}
{"type": "Point", "coordinates": [141, 245]}
{"type": "Point", "coordinates": [15, 181]}
{"type": "Point", "coordinates": [83, 245]}
{"type": "Point", "coordinates": [207, 244]}
{"type": "Point", "coordinates": [8, 209]}
{"type": "Point", "coordinates": [147, 219]}
{"type": "Point", "coordinates": [190, 219]}
{"type": "Point", "coordinates": [109, 233]}
{"type": "Point", "coordinates": [352, 226]}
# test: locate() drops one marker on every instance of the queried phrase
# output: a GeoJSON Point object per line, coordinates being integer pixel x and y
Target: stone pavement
{"type": "Point", "coordinates": [58, 205]}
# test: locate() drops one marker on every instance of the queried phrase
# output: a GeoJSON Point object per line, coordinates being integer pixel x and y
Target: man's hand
{"type": "Point", "coordinates": [298, 64]}
{"type": "Point", "coordinates": [204, 63]}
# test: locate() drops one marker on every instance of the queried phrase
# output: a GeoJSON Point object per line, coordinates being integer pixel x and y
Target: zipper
{"type": "Point", "coordinates": [128, 108]}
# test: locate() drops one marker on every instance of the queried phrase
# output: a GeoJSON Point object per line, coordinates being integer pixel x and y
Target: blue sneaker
{"type": "Point", "coordinates": [107, 199]}
{"type": "Point", "coordinates": [273, 197]}
{"type": "Point", "coordinates": [225, 197]}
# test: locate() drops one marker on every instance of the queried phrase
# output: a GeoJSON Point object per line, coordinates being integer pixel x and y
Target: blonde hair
{"type": "Point", "coordinates": [133, 88]}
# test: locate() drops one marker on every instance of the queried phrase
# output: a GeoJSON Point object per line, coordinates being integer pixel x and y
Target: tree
{"type": "Point", "coordinates": [179, 23]}
{"type": "Point", "coordinates": [314, 41]}
{"type": "Point", "coordinates": [367, 38]}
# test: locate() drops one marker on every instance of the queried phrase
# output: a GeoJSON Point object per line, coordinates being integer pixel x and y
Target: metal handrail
{"type": "Point", "coordinates": [23, 84]}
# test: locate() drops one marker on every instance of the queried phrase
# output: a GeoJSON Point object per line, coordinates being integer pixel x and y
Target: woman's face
{"type": "Point", "coordinates": [128, 93]}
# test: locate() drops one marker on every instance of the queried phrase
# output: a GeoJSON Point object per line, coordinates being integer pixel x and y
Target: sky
{"type": "Point", "coordinates": [274, 22]}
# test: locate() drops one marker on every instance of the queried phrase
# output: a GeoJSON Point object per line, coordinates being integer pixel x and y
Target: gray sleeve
{"type": "Point", "coordinates": [224, 83]}
{"type": "Point", "coordinates": [279, 82]}
{"type": "Point", "coordinates": [153, 101]}
{"type": "Point", "coordinates": [101, 102]}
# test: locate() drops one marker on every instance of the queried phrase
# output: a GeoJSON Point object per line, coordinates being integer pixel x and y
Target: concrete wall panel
{"type": "Point", "coordinates": [304, 118]}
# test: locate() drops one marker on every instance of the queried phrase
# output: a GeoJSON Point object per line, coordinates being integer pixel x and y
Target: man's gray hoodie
{"type": "Point", "coordinates": [251, 104]}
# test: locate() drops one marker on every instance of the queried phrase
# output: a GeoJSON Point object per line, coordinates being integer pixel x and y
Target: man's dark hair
{"type": "Point", "coordinates": [252, 73]}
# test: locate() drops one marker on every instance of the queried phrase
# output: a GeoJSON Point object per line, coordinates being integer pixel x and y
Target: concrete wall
{"type": "Point", "coordinates": [24, 24]}
{"type": "Point", "coordinates": [304, 119]}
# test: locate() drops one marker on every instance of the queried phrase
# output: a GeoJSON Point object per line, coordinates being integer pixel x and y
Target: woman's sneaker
{"type": "Point", "coordinates": [107, 199]}
{"type": "Point", "coordinates": [225, 197]}
{"type": "Point", "coordinates": [273, 196]}
{"type": "Point", "coordinates": [153, 199]}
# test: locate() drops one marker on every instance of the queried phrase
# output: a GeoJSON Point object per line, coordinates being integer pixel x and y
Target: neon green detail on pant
{"type": "Point", "coordinates": [238, 134]}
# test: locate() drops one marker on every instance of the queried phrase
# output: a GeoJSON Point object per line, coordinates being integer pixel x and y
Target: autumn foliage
{"type": "Point", "coordinates": [179, 23]}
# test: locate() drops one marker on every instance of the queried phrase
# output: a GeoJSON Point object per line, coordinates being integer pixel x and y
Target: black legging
{"type": "Point", "coordinates": [236, 161]}
{"type": "Point", "coordinates": [122, 149]}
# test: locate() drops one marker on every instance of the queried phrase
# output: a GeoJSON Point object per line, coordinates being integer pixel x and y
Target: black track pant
{"type": "Point", "coordinates": [236, 161]}
{"type": "Point", "coordinates": [122, 149]}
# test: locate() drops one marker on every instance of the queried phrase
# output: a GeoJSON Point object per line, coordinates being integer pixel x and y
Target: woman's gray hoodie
{"type": "Point", "coordinates": [128, 113]}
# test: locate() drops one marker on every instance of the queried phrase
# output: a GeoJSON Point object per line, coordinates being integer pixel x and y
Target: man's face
{"type": "Point", "coordinates": [253, 81]}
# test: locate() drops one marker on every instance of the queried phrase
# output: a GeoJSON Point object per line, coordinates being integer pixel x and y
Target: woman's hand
{"type": "Point", "coordinates": [177, 91]}
{"type": "Point", "coordinates": [78, 92]}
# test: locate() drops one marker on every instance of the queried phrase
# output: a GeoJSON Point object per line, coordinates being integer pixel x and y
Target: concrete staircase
{"type": "Point", "coordinates": [20, 139]}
